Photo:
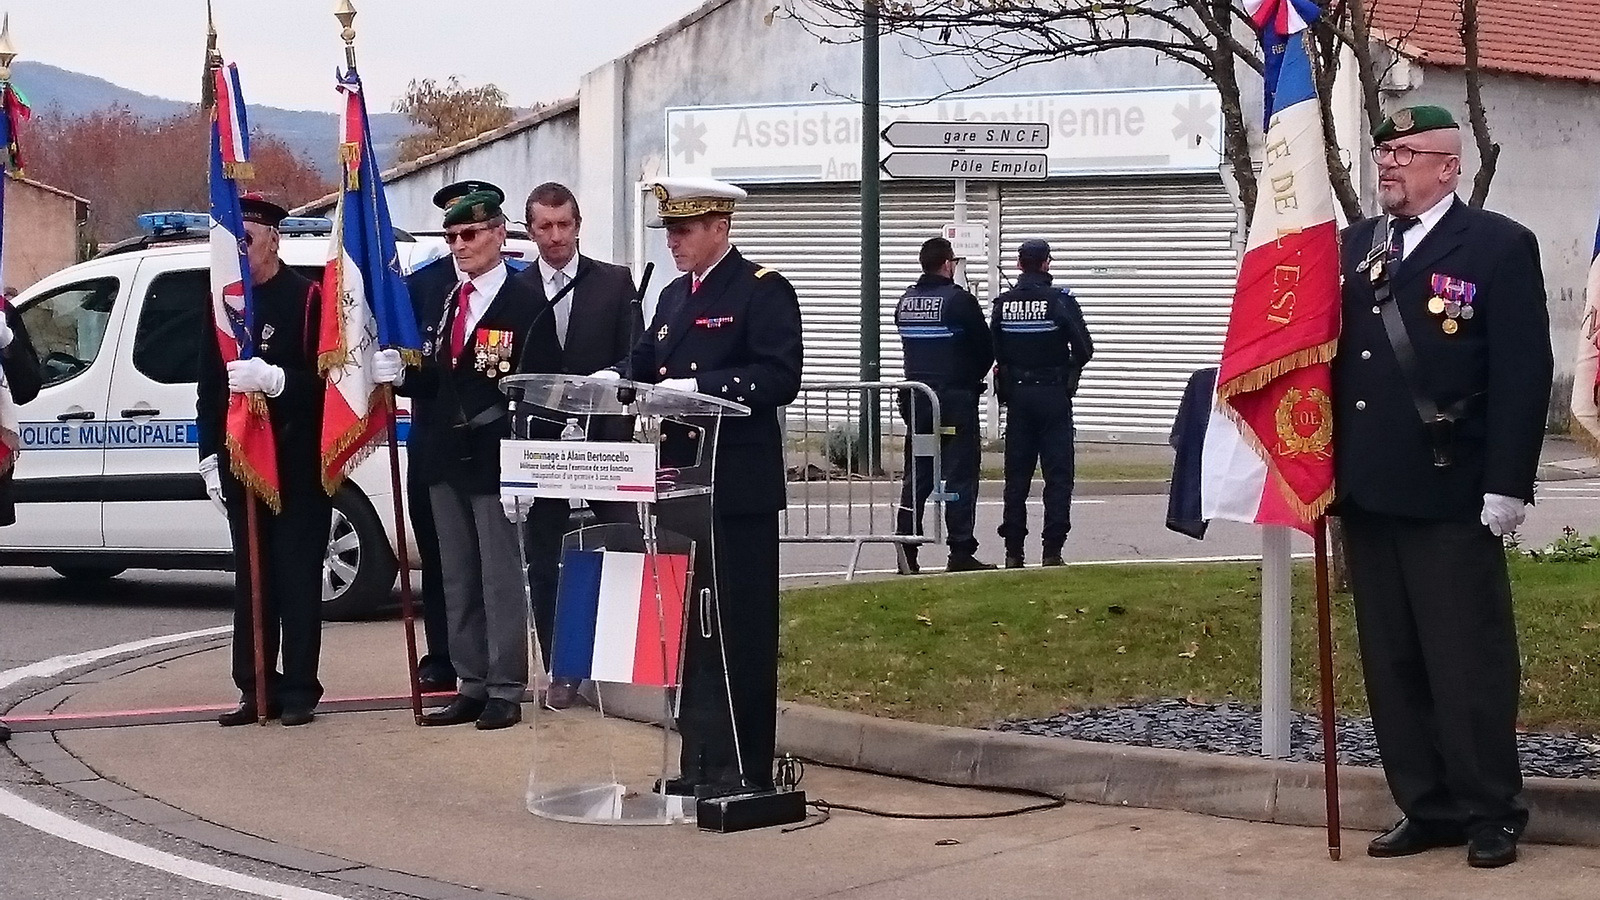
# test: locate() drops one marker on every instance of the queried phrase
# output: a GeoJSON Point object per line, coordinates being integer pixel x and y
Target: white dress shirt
{"type": "Point", "coordinates": [554, 280]}
{"type": "Point", "coordinates": [696, 280]}
{"type": "Point", "coordinates": [1425, 222]}
{"type": "Point", "coordinates": [485, 288]}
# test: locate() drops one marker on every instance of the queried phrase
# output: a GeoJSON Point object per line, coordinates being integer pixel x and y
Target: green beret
{"type": "Point", "coordinates": [450, 193]}
{"type": "Point", "coordinates": [1413, 120]}
{"type": "Point", "coordinates": [478, 206]}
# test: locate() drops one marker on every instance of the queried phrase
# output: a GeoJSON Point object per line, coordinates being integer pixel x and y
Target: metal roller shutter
{"type": "Point", "coordinates": [1153, 262]}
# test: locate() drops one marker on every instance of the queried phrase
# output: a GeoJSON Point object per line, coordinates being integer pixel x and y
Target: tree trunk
{"type": "Point", "coordinates": [1326, 71]}
{"type": "Point", "coordinates": [1235, 135]}
{"type": "Point", "coordinates": [1488, 150]}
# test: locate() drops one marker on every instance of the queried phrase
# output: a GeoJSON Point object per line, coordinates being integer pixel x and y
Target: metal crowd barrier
{"type": "Point", "coordinates": [845, 448]}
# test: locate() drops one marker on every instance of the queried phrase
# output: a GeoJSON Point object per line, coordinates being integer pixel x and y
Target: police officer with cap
{"type": "Point", "coordinates": [727, 328]}
{"type": "Point", "coordinates": [948, 347]}
{"type": "Point", "coordinates": [475, 331]}
{"type": "Point", "coordinates": [435, 278]}
{"type": "Point", "coordinates": [1041, 345]}
{"type": "Point", "coordinates": [1441, 387]}
{"type": "Point", "coordinates": [294, 542]}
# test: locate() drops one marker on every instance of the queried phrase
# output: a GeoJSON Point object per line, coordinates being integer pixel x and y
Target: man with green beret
{"type": "Point", "coordinates": [1441, 384]}
{"type": "Point", "coordinates": [477, 328]}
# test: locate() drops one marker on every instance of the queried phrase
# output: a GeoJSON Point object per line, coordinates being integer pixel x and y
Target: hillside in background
{"type": "Point", "coordinates": [310, 134]}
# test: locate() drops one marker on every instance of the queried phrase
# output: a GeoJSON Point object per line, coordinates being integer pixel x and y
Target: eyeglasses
{"type": "Point", "coordinates": [1402, 156]}
{"type": "Point", "coordinates": [470, 233]}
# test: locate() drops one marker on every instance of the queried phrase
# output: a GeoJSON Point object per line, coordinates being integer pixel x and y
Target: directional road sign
{"type": "Point", "coordinates": [968, 135]}
{"type": "Point", "coordinates": [976, 166]}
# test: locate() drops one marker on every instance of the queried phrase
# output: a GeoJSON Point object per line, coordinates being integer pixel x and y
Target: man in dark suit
{"type": "Point", "coordinates": [1442, 380]}
{"type": "Point", "coordinates": [597, 322]}
{"type": "Point", "coordinates": [20, 381]}
{"type": "Point", "coordinates": [474, 333]}
{"type": "Point", "coordinates": [729, 329]}
{"type": "Point", "coordinates": [293, 542]}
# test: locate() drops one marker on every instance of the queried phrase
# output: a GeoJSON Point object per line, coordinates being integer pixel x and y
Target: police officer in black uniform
{"type": "Point", "coordinates": [727, 328]}
{"type": "Point", "coordinates": [948, 347]}
{"type": "Point", "coordinates": [1442, 383]}
{"type": "Point", "coordinates": [1041, 345]}
{"type": "Point", "coordinates": [20, 374]}
{"type": "Point", "coordinates": [293, 543]}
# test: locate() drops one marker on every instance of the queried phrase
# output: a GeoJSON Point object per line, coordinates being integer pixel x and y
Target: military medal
{"type": "Point", "coordinates": [1466, 311]}
{"type": "Point", "coordinates": [505, 366]}
{"type": "Point", "coordinates": [493, 351]}
{"type": "Point", "coordinates": [1436, 304]}
{"type": "Point", "coordinates": [1452, 309]}
{"type": "Point", "coordinates": [1449, 326]}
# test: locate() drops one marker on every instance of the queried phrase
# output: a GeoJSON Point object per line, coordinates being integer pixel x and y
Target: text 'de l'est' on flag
{"type": "Point", "coordinates": [619, 616]}
{"type": "Point", "coordinates": [252, 449]}
{"type": "Point", "coordinates": [1268, 457]}
{"type": "Point", "coordinates": [1586, 368]}
{"type": "Point", "coordinates": [367, 306]}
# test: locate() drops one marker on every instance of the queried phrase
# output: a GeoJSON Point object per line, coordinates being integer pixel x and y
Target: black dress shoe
{"type": "Point", "coordinates": [1053, 559]}
{"type": "Point", "coordinates": [1014, 561]}
{"type": "Point", "coordinates": [966, 562]}
{"type": "Point", "coordinates": [677, 787]}
{"type": "Point", "coordinates": [245, 714]}
{"type": "Point", "coordinates": [499, 713]}
{"type": "Point", "coordinates": [1409, 837]}
{"type": "Point", "coordinates": [293, 717]}
{"type": "Point", "coordinates": [436, 685]}
{"type": "Point", "coordinates": [461, 710]}
{"type": "Point", "coordinates": [1492, 848]}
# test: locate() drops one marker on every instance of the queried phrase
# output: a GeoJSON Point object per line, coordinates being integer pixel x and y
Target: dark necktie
{"type": "Point", "coordinates": [1398, 227]}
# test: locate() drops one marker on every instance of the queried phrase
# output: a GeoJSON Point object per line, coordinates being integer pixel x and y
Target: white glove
{"type": "Point", "coordinates": [1502, 514]}
{"type": "Point", "coordinates": [692, 385]}
{"type": "Point", "coordinates": [516, 508]}
{"type": "Point", "coordinates": [6, 334]}
{"type": "Point", "coordinates": [388, 367]}
{"type": "Point", "coordinates": [208, 471]}
{"type": "Point", "coordinates": [255, 374]}
{"type": "Point", "coordinates": [606, 375]}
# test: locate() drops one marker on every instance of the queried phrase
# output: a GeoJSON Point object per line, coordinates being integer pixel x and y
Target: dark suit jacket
{"type": "Point", "coordinates": [1382, 453]}
{"type": "Point", "coordinates": [602, 328]}
{"type": "Point", "coordinates": [740, 338]}
{"type": "Point", "coordinates": [458, 417]}
{"type": "Point", "coordinates": [287, 312]}
{"type": "Point", "coordinates": [23, 378]}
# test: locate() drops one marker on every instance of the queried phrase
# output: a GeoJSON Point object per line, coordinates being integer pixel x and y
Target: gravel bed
{"type": "Point", "coordinates": [1235, 729]}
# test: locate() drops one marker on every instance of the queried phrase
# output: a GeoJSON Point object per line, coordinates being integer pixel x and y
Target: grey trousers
{"type": "Point", "coordinates": [484, 593]}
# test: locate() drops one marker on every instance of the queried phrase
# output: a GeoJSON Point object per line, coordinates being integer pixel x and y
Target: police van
{"type": "Point", "coordinates": [107, 478]}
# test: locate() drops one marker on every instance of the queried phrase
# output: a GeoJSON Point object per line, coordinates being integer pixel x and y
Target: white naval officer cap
{"type": "Point", "coordinates": [681, 199]}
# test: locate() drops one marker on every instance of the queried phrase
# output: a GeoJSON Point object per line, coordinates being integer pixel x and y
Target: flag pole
{"type": "Point", "coordinates": [252, 526]}
{"type": "Point", "coordinates": [1330, 741]}
{"type": "Point", "coordinates": [346, 14]}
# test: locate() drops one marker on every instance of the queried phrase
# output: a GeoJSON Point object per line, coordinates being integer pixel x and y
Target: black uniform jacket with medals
{"type": "Point", "coordinates": [739, 336]}
{"type": "Point", "coordinates": [288, 308]}
{"type": "Point", "coordinates": [1382, 452]}
{"type": "Point", "coordinates": [458, 416]}
{"type": "Point", "coordinates": [23, 378]}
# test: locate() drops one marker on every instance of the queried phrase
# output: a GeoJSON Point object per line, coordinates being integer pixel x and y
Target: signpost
{"type": "Point", "coordinates": [968, 135]}
{"type": "Point", "coordinates": [983, 166]}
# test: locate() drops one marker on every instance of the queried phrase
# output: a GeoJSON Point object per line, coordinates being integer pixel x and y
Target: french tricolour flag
{"type": "Point", "coordinates": [619, 617]}
{"type": "Point", "coordinates": [1268, 452]}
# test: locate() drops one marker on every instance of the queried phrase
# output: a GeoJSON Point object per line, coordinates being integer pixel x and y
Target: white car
{"type": "Point", "coordinates": [107, 481]}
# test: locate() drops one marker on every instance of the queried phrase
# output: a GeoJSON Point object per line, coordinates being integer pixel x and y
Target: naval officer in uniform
{"type": "Point", "coordinates": [728, 328]}
{"type": "Point", "coordinates": [293, 543]}
{"type": "Point", "coordinates": [1442, 383]}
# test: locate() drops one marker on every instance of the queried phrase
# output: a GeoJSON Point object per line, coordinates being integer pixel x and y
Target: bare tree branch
{"type": "Point", "coordinates": [1488, 150]}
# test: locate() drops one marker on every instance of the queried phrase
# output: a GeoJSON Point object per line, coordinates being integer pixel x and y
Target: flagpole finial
{"type": "Point", "coordinates": [345, 12]}
{"type": "Point", "coordinates": [7, 51]}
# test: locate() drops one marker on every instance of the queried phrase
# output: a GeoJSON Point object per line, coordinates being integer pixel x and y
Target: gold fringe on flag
{"type": "Point", "coordinates": [250, 478]}
{"type": "Point", "coordinates": [1307, 512]}
{"type": "Point", "coordinates": [239, 171]}
{"type": "Point", "coordinates": [337, 356]}
{"type": "Point", "coordinates": [377, 406]}
{"type": "Point", "coordinates": [1261, 376]}
{"type": "Point", "coordinates": [350, 158]}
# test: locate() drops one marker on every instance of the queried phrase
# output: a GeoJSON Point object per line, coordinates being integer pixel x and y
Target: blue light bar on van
{"type": "Point", "coordinates": [165, 223]}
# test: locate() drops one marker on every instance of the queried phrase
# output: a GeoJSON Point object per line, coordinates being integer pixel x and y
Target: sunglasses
{"type": "Point", "coordinates": [465, 235]}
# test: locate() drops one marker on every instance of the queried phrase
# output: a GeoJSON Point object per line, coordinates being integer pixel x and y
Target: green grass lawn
{"type": "Point", "coordinates": [970, 650]}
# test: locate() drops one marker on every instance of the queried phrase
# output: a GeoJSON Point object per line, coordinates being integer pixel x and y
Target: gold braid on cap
{"type": "Point", "coordinates": [690, 206]}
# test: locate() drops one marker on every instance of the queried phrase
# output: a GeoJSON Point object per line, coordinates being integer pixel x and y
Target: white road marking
{"type": "Point", "coordinates": [1077, 562]}
{"type": "Point", "coordinates": [58, 664]}
{"type": "Point", "coordinates": [56, 825]}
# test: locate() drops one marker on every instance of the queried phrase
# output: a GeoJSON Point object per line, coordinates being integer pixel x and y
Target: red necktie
{"type": "Point", "coordinates": [694, 285]}
{"type": "Point", "coordinates": [458, 328]}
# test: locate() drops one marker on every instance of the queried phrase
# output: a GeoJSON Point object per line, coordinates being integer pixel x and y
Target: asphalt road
{"type": "Point", "coordinates": [43, 616]}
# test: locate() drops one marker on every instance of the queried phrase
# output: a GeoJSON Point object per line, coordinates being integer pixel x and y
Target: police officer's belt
{"type": "Point", "coordinates": [1044, 375]}
{"type": "Point", "coordinates": [1439, 423]}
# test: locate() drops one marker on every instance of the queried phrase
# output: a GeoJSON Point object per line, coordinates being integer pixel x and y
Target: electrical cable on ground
{"type": "Point", "coordinates": [791, 771]}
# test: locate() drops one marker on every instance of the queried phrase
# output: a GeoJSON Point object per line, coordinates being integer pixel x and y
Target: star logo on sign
{"type": "Point", "coordinates": [1193, 121]}
{"type": "Point", "coordinates": [688, 139]}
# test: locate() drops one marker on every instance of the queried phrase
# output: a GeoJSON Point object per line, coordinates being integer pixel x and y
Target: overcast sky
{"type": "Point", "coordinates": [535, 50]}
